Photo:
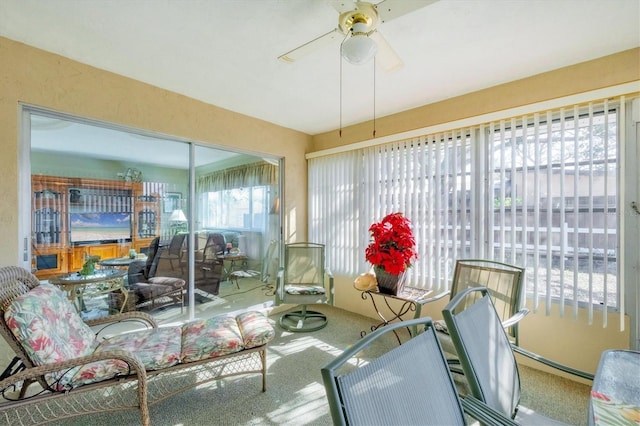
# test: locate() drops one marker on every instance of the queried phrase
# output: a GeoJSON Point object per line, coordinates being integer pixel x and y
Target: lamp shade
{"type": "Point", "coordinates": [177, 216]}
{"type": "Point", "coordinates": [359, 48]}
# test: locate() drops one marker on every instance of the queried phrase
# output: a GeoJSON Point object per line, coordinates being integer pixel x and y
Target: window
{"type": "Point", "coordinates": [96, 188]}
{"type": "Point", "coordinates": [540, 191]}
{"type": "Point", "coordinates": [554, 193]}
{"type": "Point", "coordinates": [240, 208]}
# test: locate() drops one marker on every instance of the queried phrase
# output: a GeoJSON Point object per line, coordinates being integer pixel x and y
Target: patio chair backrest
{"type": "Point", "coordinates": [153, 257]}
{"type": "Point", "coordinates": [409, 384]}
{"type": "Point", "coordinates": [504, 282]}
{"type": "Point", "coordinates": [214, 247]}
{"type": "Point", "coordinates": [484, 350]}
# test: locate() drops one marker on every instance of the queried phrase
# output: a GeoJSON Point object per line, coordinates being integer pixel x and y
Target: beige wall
{"type": "Point", "coordinates": [619, 68]}
{"type": "Point", "coordinates": [35, 77]}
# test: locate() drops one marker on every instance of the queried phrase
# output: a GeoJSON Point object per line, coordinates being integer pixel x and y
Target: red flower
{"type": "Point", "coordinates": [393, 245]}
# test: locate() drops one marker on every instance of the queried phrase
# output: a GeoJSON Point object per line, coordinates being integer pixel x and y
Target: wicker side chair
{"type": "Point", "coordinates": [80, 372]}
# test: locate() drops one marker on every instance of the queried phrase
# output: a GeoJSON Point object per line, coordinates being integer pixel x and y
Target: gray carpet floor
{"type": "Point", "coordinates": [295, 394]}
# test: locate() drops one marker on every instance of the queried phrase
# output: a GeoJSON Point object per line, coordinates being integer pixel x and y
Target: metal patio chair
{"type": "Point", "coordinates": [409, 384]}
{"type": "Point", "coordinates": [486, 354]}
{"type": "Point", "coordinates": [303, 281]}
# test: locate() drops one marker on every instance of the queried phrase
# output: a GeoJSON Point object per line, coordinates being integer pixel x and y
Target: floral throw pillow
{"type": "Point", "coordinates": [48, 326]}
{"type": "Point", "coordinates": [256, 329]}
{"type": "Point", "coordinates": [50, 331]}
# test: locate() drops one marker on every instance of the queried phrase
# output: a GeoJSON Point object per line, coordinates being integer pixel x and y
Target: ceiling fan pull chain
{"type": "Point", "coordinates": [374, 97]}
{"type": "Point", "coordinates": [340, 53]}
{"type": "Point", "coordinates": [340, 131]}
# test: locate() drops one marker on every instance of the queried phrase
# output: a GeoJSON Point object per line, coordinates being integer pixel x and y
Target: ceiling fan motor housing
{"type": "Point", "coordinates": [365, 15]}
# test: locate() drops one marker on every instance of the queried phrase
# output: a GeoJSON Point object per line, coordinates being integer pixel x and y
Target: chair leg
{"type": "Point", "coordinates": [235, 278]}
{"type": "Point", "coordinates": [303, 320]}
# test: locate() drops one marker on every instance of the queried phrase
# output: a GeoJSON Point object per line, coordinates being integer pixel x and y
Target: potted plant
{"type": "Point", "coordinates": [391, 251]}
{"type": "Point", "coordinates": [89, 266]}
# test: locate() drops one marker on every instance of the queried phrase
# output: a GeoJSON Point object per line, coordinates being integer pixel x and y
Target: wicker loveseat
{"type": "Point", "coordinates": [80, 373]}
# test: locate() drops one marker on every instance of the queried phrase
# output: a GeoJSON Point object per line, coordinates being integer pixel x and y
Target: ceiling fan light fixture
{"type": "Point", "coordinates": [359, 48]}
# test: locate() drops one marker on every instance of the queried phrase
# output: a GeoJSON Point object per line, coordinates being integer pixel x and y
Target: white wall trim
{"type": "Point", "coordinates": [606, 92]}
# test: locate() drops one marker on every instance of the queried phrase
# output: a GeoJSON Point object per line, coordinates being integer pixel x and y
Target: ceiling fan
{"type": "Point", "coordinates": [359, 22]}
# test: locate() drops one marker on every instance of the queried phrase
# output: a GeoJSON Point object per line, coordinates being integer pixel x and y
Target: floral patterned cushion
{"type": "Point", "coordinates": [304, 289]}
{"type": "Point", "coordinates": [89, 373]}
{"type": "Point", "coordinates": [48, 326]}
{"type": "Point", "coordinates": [50, 330]}
{"type": "Point", "coordinates": [155, 348]}
{"type": "Point", "coordinates": [256, 329]}
{"type": "Point", "coordinates": [209, 338]}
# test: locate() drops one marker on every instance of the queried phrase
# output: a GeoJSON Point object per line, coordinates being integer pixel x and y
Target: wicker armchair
{"type": "Point", "coordinates": [56, 350]}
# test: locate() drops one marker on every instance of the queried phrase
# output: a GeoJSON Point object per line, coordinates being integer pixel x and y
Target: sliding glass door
{"type": "Point", "coordinates": [107, 197]}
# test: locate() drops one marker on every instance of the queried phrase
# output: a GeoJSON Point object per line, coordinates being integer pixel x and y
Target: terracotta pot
{"type": "Point", "coordinates": [389, 283]}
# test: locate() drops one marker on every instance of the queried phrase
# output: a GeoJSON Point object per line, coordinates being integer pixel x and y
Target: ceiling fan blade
{"type": "Point", "coordinates": [343, 5]}
{"type": "Point", "coordinates": [392, 9]}
{"type": "Point", "coordinates": [312, 46]}
{"type": "Point", "coordinates": [386, 58]}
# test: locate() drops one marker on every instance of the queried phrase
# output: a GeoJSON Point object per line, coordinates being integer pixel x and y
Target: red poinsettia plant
{"type": "Point", "coordinates": [393, 247]}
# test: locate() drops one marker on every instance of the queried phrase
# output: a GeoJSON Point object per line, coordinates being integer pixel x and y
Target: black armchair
{"type": "Point", "coordinates": [175, 250]}
{"type": "Point", "coordinates": [151, 292]}
{"type": "Point", "coordinates": [209, 264]}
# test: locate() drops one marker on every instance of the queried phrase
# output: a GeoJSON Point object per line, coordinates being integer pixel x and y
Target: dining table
{"type": "Point", "coordinates": [615, 394]}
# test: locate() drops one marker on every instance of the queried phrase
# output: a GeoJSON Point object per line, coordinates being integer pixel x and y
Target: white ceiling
{"type": "Point", "coordinates": [224, 52]}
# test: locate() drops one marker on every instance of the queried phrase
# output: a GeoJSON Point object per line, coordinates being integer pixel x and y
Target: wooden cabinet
{"type": "Point", "coordinates": [50, 261]}
{"type": "Point", "coordinates": [49, 217]}
{"type": "Point", "coordinates": [146, 221]}
{"type": "Point", "coordinates": [49, 204]}
{"type": "Point", "coordinates": [73, 217]}
{"type": "Point", "coordinates": [103, 251]}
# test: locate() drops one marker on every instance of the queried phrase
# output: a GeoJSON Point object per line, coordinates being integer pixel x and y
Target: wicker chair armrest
{"type": "Point", "coordinates": [127, 317]}
{"type": "Point", "coordinates": [34, 373]}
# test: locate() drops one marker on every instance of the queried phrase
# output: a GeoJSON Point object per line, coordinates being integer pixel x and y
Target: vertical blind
{"type": "Point", "coordinates": [539, 191]}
